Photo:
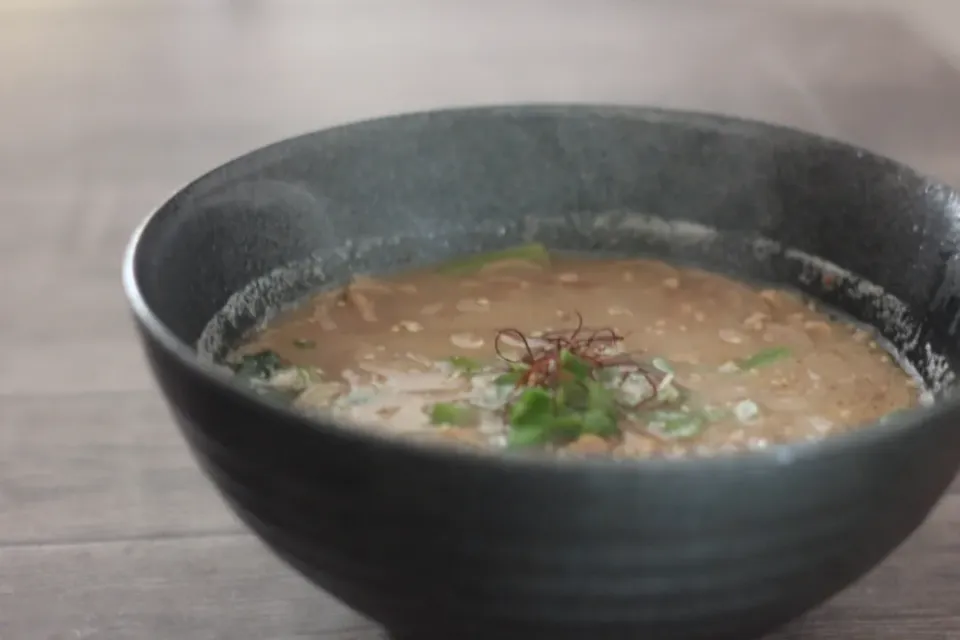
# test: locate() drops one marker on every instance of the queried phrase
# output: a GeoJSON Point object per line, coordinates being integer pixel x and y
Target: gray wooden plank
{"type": "Point", "coordinates": [219, 587]}
{"type": "Point", "coordinates": [76, 186]}
{"type": "Point", "coordinates": [94, 467]}
{"type": "Point", "coordinates": [882, 85]}
{"type": "Point", "coordinates": [308, 65]}
{"type": "Point", "coordinates": [229, 587]}
{"type": "Point", "coordinates": [142, 108]}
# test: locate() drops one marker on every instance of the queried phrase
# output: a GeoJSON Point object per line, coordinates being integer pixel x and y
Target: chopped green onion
{"type": "Point", "coordinates": [676, 424]}
{"type": "Point", "coordinates": [466, 365]}
{"type": "Point", "coordinates": [572, 364]}
{"type": "Point", "coordinates": [262, 365]}
{"type": "Point", "coordinates": [600, 397]}
{"type": "Point", "coordinates": [451, 413]}
{"type": "Point", "coordinates": [535, 253]}
{"type": "Point", "coordinates": [600, 423]}
{"type": "Point", "coordinates": [534, 419]}
{"type": "Point", "coordinates": [580, 369]}
{"type": "Point", "coordinates": [553, 428]}
{"type": "Point", "coordinates": [534, 407]}
{"type": "Point", "coordinates": [763, 358]}
{"type": "Point", "coordinates": [522, 437]}
{"type": "Point", "coordinates": [511, 378]}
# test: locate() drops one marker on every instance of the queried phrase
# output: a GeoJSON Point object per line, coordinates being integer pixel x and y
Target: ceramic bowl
{"type": "Point", "coordinates": [437, 544]}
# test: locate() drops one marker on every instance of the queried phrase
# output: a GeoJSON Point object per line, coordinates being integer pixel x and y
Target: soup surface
{"type": "Point", "coordinates": [521, 349]}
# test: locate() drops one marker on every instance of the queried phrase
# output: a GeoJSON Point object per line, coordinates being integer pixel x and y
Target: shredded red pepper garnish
{"type": "Point", "coordinates": [593, 347]}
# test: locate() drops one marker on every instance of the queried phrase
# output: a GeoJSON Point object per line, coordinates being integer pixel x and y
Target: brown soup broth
{"type": "Point", "coordinates": [579, 356]}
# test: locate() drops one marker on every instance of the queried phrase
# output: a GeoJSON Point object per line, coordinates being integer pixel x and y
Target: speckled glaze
{"type": "Point", "coordinates": [436, 544]}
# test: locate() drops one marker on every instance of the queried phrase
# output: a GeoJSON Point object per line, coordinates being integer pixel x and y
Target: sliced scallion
{"type": "Point", "coordinates": [465, 365]}
{"type": "Point", "coordinates": [534, 252]}
{"type": "Point", "coordinates": [763, 358]}
{"type": "Point", "coordinates": [452, 413]}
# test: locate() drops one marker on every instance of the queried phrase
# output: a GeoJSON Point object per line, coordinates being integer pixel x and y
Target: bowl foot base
{"type": "Point", "coordinates": [438, 634]}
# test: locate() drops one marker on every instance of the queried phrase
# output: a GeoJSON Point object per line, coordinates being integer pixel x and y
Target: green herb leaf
{"type": "Point", "coordinates": [763, 357]}
{"type": "Point", "coordinates": [262, 365]}
{"type": "Point", "coordinates": [567, 425]}
{"type": "Point", "coordinates": [534, 407]}
{"type": "Point", "coordinates": [574, 365]}
{"type": "Point", "coordinates": [553, 428]}
{"type": "Point", "coordinates": [304, 343]}
{"type": "Point", "coordinates": [534, 420]}
{"type": "Point", "coordinates": [459, 415]}
{"type": "Point", "coordinates": [523, 437]}
{"type": "Point", "coordinates": [602, 413]}
{"type": "Point", "coordinates": [534, 252]}
{"type": "Point", "coordinates": [600, 423]}
{"type": "Point", "coordinates": [511, 377]}
{"type": "Point", "coordinates": [468, 366]}
{"type": "Point", "coordinates": [571, 395]}
{"type": "Point", "coordinates": [600, 397]}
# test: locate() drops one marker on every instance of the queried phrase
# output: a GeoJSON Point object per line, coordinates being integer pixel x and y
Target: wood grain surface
{"type": "Point", "coordinates": [107, 529]}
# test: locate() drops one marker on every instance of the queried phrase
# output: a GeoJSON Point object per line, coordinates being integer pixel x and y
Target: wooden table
{"type": "Point", "coordinates": [107, 530]}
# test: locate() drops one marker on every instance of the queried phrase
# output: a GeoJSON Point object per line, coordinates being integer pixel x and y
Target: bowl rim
{"type": "Point", "coordinates": [863, 436]}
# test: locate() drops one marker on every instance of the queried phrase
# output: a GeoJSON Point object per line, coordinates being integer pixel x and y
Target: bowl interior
{"type": "Point", "coordinates": [722, 547]}
{"type": "Point", "coordinates": [748, 199]}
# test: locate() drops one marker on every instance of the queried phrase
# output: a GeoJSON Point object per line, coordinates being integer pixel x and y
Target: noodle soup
{"type": "Point", "coordinates": [525, 350]}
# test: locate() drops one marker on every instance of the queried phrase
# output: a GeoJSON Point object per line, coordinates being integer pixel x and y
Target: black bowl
{"type": "Point", "coordinates": [436, 543]}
